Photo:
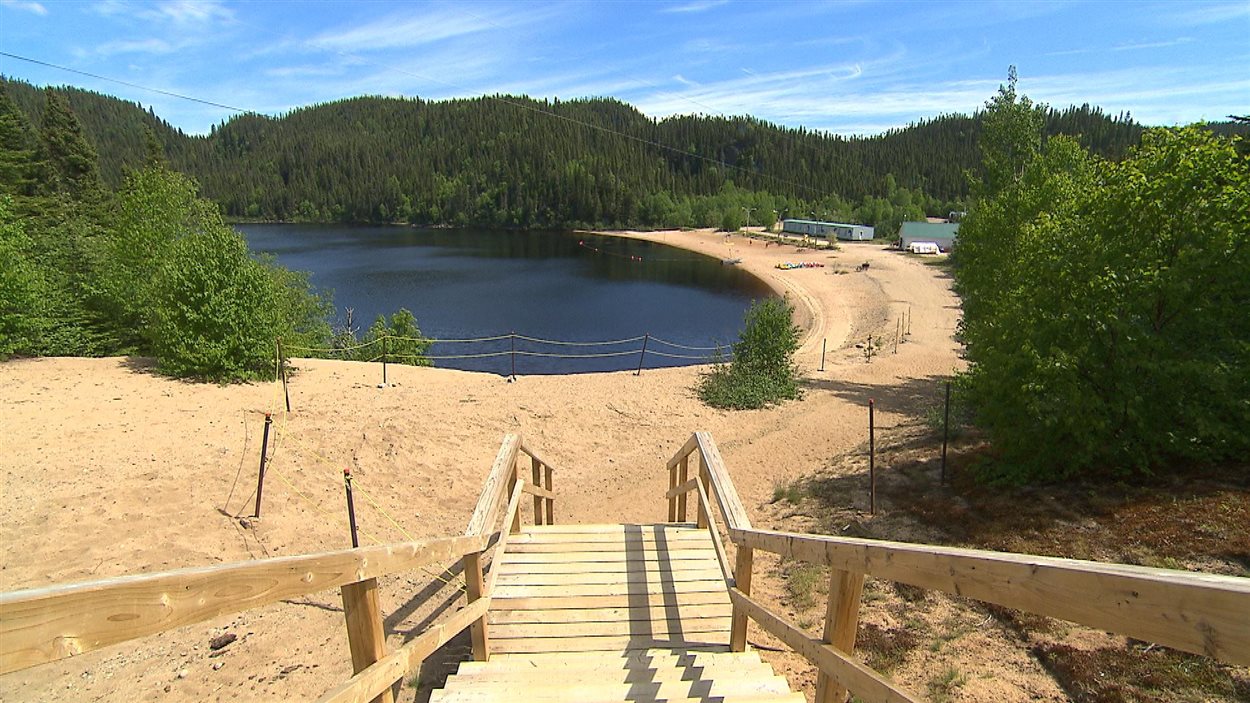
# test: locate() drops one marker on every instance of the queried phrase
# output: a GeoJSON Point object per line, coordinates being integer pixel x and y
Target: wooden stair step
{"type": "Point", "coordinates": [711, 640]}
{"type": "Point", "coordinates": [623, 614]}
{"type": "Point", "coordinates": [543, 688]}
{"type": "Point", "coordinates": [667, 627]}
{"type": "Point", "coordinates": [657, 600]}
{"type": "Point", "coordinates": [612, 528]}
{"type": "Point", "coordinates": [701, 573]}
{"type": "Point", "coordinates": [631, 675]}
{"type": "Point", "coordinates": [597, 661]}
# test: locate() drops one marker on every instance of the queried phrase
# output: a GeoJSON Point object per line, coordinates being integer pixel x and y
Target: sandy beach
{"type": "Point", "coordinates": [110, 469]}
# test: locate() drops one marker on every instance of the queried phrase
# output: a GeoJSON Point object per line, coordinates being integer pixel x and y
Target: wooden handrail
{"type": "Point", "coordinates": [720, 483]}
{"type": "Point", "coordinates": [867, 684]}
{"type": "Point", "coordinates": [381, 675]}
{"type": "Point", "coordinates": [514, 505]}
{"type": "Point", "coordinates": [705, 510]}
{"type": "Point", "coordinates": [1201, 613]}
{"type": "Point", "coordinates": [46, 624]}
{"type": "Point", "coordinates": [504, 468]}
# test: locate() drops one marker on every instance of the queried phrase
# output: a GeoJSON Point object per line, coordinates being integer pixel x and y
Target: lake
{"type": "Point", "coordinates": [560, 286]}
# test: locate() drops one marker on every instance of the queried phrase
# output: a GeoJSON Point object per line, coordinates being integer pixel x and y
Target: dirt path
{"type": "Point", "coordinates": [109, 469]}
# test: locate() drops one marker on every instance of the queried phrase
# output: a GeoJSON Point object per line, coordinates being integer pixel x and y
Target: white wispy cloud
{"type": "Point", "coordinates": [696, 6]}
{"type": "Point", "coordinates": [1193, 15]}
{"type": "Point", "coordinates": [135, 46]}
{"type": "Point", "coordinates": [179, 12]}
{"type": "Point", "coordinates": [25, 6]}
{"type": "Point", "coordinates": [426, 28]}
{"type": "Point", "coordinates": [1130, 46]}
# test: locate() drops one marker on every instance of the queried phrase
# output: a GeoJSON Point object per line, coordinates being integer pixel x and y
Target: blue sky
{"type": "Point", "coordinates": [846, 67]}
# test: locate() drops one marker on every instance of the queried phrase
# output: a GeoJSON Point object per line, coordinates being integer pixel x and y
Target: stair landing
{"type": "Point", "coordinates": [578, 588]}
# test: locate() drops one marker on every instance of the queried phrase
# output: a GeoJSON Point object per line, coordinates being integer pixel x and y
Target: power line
{"type": "Point", "coordinates": [497, 98]}
{"type": "Point", "coordinates": [126, 83]}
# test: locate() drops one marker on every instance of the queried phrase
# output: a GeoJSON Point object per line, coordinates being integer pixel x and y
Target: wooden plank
{"type": "Point", "coordinates": [440, 697]}
{"type": "Point", "coordinates": [722, 484]}
{"type": "Point", "coordinates": [1199, 613]}
{"type": "Point", "coordinates": [45, 624]}
{"type": "Point", "coordinates": [534, 455]}
{"type": "Point", "coordinates": [640, 674]}
{"type": "Point", "coordinates": [501, 549]}
{"type": "Point", "coordinates": [630, 546]}
{"type": "Point", "coordinates": [672, 499]}
{"type": "Point", "coordinates": [379, 677]}
{"type": "Point", "coordinates": [681, 488]}
{"type": "Point", "coordinates": [841, 624]}
{"type": "Point", "coordinates": [475, 591]}
{"type": "Point", "coordinates": [690, 445]}
{"type": "Point", "coordinates": [503, 602]}
{"type": "Point", "coordinates": [620, 568]}
{"type": "Point", "coordinates": [660, 587]}
{"type": "Point", "coordinates": [484, 514]}
{"type": "Point", "coordinates": [551, 501]}
{"type": "Point", "coordinates": [668, 627]}
{"type": "Point", "coordinates": [365, 636]}
{"type": "Point", "coordinates": [644, 535]}
{"type": "Point", "coordinates": [743, 568]}
{"type": "Point", "coordinates": [683, 475]}
{"type": "Point", "coordinates": [537, 475]}
{"type": "Point", "coordinates": [704, 573]}
{"type": "Point", "coordinates": [601, 644]}
{"type": "Point", "coordinates": [615, 527]}
{"type": "Point", "coordinates": [706, 511]}
{"type": "Point", "coordinates": [603, 689]}
{"type": "Point", "coordinates": [621, 614]}
{"type": "Point", "coordinates": [865, 683]}
{"type": "Point", "coordinates": [559, 663]}
{"type": "Point", "coordinates": [617, 556]}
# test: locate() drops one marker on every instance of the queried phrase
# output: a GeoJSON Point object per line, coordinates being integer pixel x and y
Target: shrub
{"type": "Point", "coordinates": [762, 370]}
{"type": "Point", "coordinates": [215, 309]}
{"type": "Point", "coordinates": [406, 344]}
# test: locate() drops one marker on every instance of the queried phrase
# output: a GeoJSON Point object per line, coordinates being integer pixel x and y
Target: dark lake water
{"type": "Point", "coordinates": [563, 286]}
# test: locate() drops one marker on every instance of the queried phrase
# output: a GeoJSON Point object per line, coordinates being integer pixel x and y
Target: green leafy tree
{"type": "Point", "coordinates": [154, 210]}
{"type": "Point", "coordinates": [762, 370]}
{"type": "Point", "coordinates": [23, 291]}
{"type": "Point", "coordinates": [404, 344]}
{"type": "Point", "coordinates": [1104, 302]}
{"type": "Point", "coordinates": [215, 309]}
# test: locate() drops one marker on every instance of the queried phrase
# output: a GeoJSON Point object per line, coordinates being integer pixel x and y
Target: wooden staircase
{"type": "Point", "coordinates": [632, 612]}
{"type": "Point", "coordinates": [612, 613]}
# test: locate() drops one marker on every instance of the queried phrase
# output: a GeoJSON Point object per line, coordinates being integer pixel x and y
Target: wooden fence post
{"type": "Point", "coordinates": [683, 475]}
{"type": "Point", "coordinates": [841, 624]}
{"type": "Point", "coordinates": [551, 502]}
{"type": "Point", "coordinates": [365, 634]}
{"type": "Point", "coordinates": [672, 502]}
{"type": "Point", "coordinates": [473, 587]}
{"type": "Point", "coordinates": [515, 527]}
{"type": "Point", "coordinates": [538, 481]}
{"type": "Point", "coordinates": [701, 519]}
{"type": "Point", "coordinates": [742, 581]}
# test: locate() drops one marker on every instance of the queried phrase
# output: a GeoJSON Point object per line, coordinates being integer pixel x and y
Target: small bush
{"type": "Point", "coordinates": [215, 309]}
{"type": "Point", "coordinates": [762, 370]}
{"type": "Point", "coordinates": [405, 345]}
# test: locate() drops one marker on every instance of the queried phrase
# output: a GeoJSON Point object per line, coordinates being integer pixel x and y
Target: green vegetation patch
{"type": "Point", "coordinates": [1141, 675]}
{"type": "Point", "coordinates": [762, 371]}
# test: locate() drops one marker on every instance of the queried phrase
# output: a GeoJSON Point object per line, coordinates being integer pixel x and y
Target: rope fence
{"type": "Point", "coordinates": [400, 349]}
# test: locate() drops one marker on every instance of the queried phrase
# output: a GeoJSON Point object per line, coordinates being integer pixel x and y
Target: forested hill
{"type": "Point", "coordinates": [516, 161]}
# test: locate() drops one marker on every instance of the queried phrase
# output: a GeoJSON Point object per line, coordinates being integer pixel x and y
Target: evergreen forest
{"type": "Point", "coordinates": [517, 162]}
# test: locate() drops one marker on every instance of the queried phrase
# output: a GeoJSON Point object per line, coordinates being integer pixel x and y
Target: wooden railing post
{"type": "Point", "coordinates": [365, 634]}
{"type": "Point", "coordinates": [841, 624]}
{"type": "Point", "coordinates": [474, 587]}
{"type": "Point", "coordinates": [683, 475]}
{"type": "Point", "coordinates": [551, 502]}
{"type": "Point", "coordinates": [515, 527]}
{"type": "Point", "coordinates": [537, 473]}
{"type": "Point", "coordinates": [672, 501]}
{"type": "Point", "coordinates": [742, 581]}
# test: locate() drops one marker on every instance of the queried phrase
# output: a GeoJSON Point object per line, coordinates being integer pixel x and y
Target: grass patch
{"type": "Point", "coordinates": [942, 687]}
{"type": "Point", "coordinates": [885, 650]}
{"type": "Point", "coordinates": [1113, 675]}
{"type": "Point", "coordinates": [791, 492]}
{"type": "Point", "coordinates": [804, 582]}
